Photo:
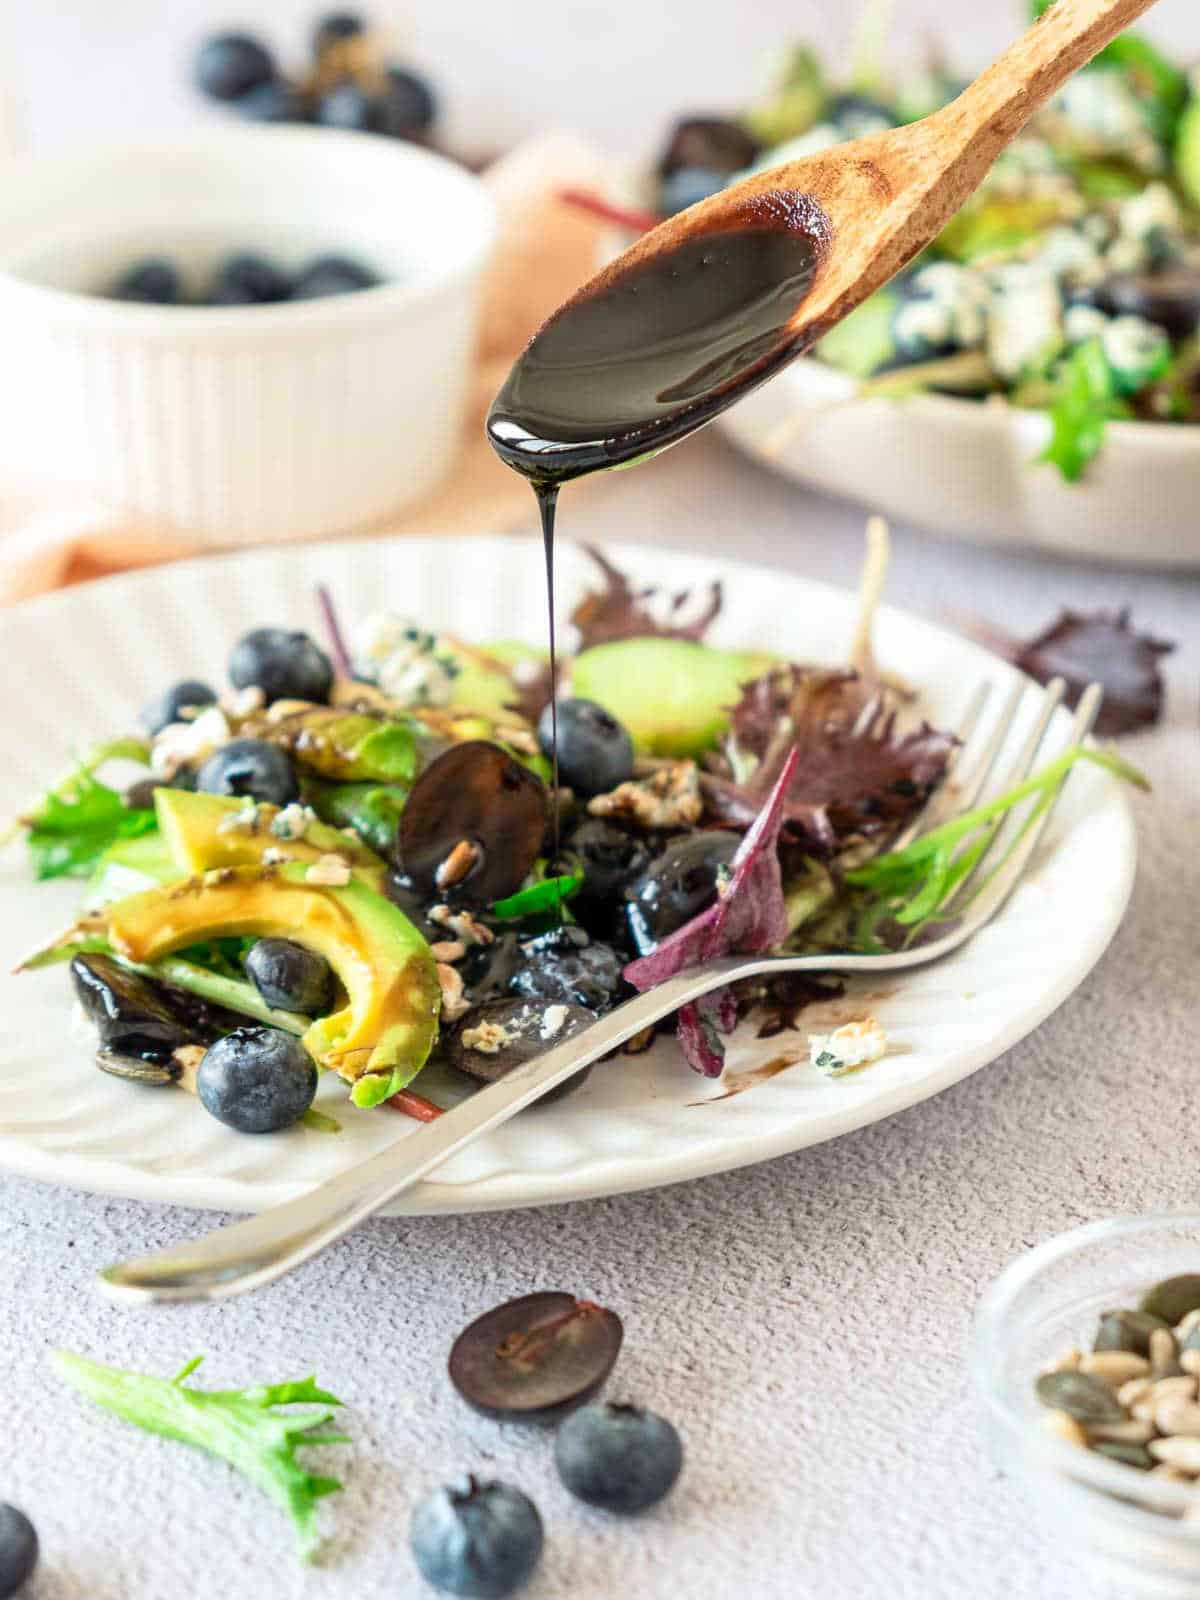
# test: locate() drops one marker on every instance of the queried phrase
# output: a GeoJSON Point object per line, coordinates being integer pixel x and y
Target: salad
{"type": "Point", "coordinates": [355, 860]}
{"type": "Point", "coordinates": [1069, 283]}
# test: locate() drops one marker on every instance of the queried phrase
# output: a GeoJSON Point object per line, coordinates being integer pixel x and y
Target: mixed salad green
{"type": "Point", "coordinates": [354, 862]}
{"type": "Point", "coordinates": [1070, 282]}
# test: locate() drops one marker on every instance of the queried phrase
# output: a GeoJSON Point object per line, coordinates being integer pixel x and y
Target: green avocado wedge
{"type": "Point", "coordinates": [380, 1039]}
{"type": "Point", "coordinates": [673, 696]}
{"type": "Point", "coordinates": [128, 866]}
{"type": "Point", "coordinates": [203, 831]}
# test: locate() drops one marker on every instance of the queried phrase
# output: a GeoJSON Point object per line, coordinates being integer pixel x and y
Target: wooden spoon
{"type": "Point", "coordinates": [713, 301]}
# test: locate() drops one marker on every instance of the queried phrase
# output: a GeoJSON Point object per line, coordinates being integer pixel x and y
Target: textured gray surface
{"type": "Point", "coordinates": [803, 1322]}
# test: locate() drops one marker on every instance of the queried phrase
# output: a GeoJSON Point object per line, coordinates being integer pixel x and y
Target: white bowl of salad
{"type": "Point", "coordinates": [1035, 375]}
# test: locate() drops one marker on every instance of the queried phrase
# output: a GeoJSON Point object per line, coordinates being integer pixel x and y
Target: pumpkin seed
{"type": "Point", "coordinates": [1085, 1398]}
{"type": "Point", "coordinates": [1127, 1330]}
{"type": "Point", "coordinates": [1115, 1366]}
{"type": "Point", "coordinates": [1173, 1298]}
{"type": "Point", "coordinates": [1133, 1455]}
{"type": "Point", "coordinates": [135, 1069]}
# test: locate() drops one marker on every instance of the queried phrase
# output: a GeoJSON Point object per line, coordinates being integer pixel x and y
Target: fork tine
{"type": "Point", "coordinates": [1021, 767]}
{"type": "Point", "coordinates": [993, 895]}
{"type": "Point", "coordinates": [944, 800]}
{"type": "Point", "coordinates": [972, 787]}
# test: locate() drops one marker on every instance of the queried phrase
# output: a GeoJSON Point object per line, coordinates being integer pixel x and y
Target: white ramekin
{"type": "Point", "coordinates": [241, 424]}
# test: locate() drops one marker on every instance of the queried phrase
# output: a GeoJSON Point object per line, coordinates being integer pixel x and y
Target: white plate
{"type": "Point", "coordinates": [78, 664]}
{"type": "Point", "coordinates": [970, 470]}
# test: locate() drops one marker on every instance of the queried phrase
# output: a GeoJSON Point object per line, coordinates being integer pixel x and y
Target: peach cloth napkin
{"type": "Point", "coordinates": [544, 250]}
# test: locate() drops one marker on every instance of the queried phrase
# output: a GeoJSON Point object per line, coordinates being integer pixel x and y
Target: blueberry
{"type": "Point", "coordinates": [275, 101]}
{"type": "Point", "coordinates": [565, 967]}
{"type": "Point", "coordinates": [346, 106]}
{"type": "Point", "coordinates": [618, 1457]}
{"type": "Point", "coordinates": [249, 280]}
{"type": "Point", "coordinates": [169, 707]}
{"type": "Point", "coordinates": [482, 1540]}
{"type": "Point", "coordinates": [284, 665]}
{"type": "Point", "coordinates": [335, 28]}
{"type": "Point", "coordinates": [18, 1549]}
{"type": "Point", "coordinates": [257, 1080]}
{"type": "Point", "coordinates": [153, 282]}
{"type": "Point", "coordinates": [406, 107]}
{"type": "Point", "coordinates": [290, 977]}
{"type": "Point", "coordinates": [332, 275]}
{"type": "Point", "coordinates": [250, 767]}
{"type": "Point", "coordinates": [687, 186]}
{"type": "Point", "coordinates": [229, 65]}
{"type": "Point", "coordinates": [678, 885]}
{"type": "Point", "coordinates": [595, 752]}
{"type": "Point", "coordinates": [856, 115]}
{"type": "Point", "coordinates": [610, 859]}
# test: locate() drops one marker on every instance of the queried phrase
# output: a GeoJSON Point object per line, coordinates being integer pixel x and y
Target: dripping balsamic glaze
{"type": "Point", "coordinates": [652, 350]}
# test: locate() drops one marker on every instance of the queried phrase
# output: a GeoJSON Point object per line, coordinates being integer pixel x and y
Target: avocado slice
{"type": "Point", "coordinates": [672, 695]}
{"type": "Point", "coordinates": [196, 831]}
{"type": "Point", "coordinates": [381, 1038]}
{"type": "Point", "coordinates": [1187, 153]}
{"type": "Point", "coordinates": [484, 682]}
{"type": "Point", "coordinates": [862, 342]}
{"type": "Point", "coordinates": [129, 865]}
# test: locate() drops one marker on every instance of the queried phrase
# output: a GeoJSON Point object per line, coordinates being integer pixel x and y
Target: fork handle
{"type": "Point", "coordinates": [246, 1255]}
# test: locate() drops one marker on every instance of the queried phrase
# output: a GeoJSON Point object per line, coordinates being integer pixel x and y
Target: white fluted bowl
{"type": "Point", "coordinates": [234, 425]}
{"type": "Point", "coordinates": [971, 470]}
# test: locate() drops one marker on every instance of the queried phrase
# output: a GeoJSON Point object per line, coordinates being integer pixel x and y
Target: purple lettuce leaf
{"type": "Point", "coordinates": [1100, 647]}
{"type": "Point", "coordinates": [854, 775]}
{"type": "Point", "coordinates": [618, 611]}
{"type": "Point", "coordinates": [747, 917]}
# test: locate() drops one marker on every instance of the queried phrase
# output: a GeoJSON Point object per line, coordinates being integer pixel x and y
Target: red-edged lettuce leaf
{"type": "Point", "coordinates": [854, 773]}
{"type": "Point", "coordinates": [748, 916]}
{"type": "Point", "coordinates": [1100, 647]}
{"type": "Point", "coordinates": [618, 611]}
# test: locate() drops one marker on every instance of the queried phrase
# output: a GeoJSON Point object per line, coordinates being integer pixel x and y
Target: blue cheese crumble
{"type": "Point", "coordinates": [408, 663]}
{"type": "Point", "coordinates": [853, 1045]}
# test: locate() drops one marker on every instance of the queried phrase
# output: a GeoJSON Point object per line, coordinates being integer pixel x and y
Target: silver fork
{"type": "Point", "coordinates": [246, 1255]}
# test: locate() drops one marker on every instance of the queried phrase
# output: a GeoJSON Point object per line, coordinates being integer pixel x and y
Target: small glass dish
{"type": "Point", "coordinates": [1126, 1525]}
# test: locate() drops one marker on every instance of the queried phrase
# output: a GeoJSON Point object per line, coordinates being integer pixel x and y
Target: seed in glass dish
{"type": "Point", "coordinates": [250, 768]}
{"type": "Point", "coordinates": [257, 1080]}
{"type": "Point", "coordinates": [1173, 1298]}
{"type": "Point", "coordinates": [406, 107]}
{"type": "Point", "coordinates": [535, 1358]}
{"type": "Point", "coordinates": [1087, 1399]}
{"type": "Point", "coordinates": [249, 280]}
{"type": "Point", "coordinates": [18, 1549]}
{"type": "Point", "coordinates": [152, 282]}
{"type": "Point", "coordinates": [328, 275]}
{"type": "Point", "coordinates": [1127, 1330]}
{"type": "Point", "coordinates": [618, 1457]}
{"type": "Point", "coordinates": [172, 706]}
{"type": "Point", "coordinates": [229, 65]}
{"type": "Point", "coordinates": [290, 977]}
{"type": "Point", "coordinates": [479, 1540]}
{"type": "Point", "coordinates": [284, 663]}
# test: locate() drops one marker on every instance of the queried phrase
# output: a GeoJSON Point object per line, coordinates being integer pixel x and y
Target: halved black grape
{"type": "Point", "coordinates": [535, 1358]}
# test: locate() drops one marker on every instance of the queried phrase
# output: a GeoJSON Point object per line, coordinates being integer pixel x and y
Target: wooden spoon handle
{"type": "Point", "coordinates": [1003, 98]}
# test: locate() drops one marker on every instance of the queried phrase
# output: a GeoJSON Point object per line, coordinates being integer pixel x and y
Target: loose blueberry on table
{"type": "Point", "coordinates": [618, 1457]}
{"type": "Point", "coordinates": [18, 1549]}
{"type": "Point", "coordinates": [480, 1540]}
